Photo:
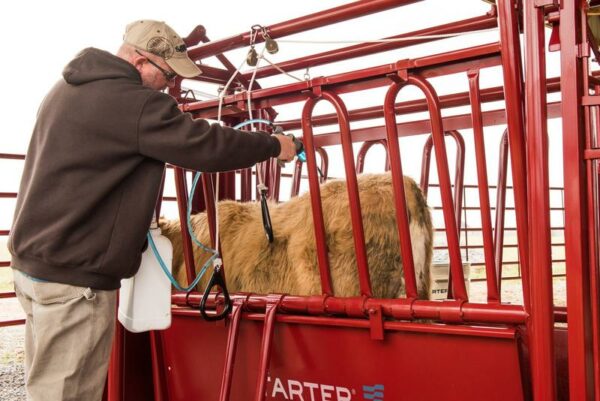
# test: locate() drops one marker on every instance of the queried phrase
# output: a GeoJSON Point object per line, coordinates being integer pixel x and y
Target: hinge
{"type": "Point", "coordinates": [583, 50]}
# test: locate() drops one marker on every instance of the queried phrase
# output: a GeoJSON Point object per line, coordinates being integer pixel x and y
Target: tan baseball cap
{"type": "Point", "coordinates": [160, 39]}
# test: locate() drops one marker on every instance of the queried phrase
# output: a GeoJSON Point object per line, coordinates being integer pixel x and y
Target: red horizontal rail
{"type": "Point", "coordinates": [7, 295]}
{"type": "Point", "coordinates": [398, 308]}
{"type": "Point", "coordinates": [4, 264]}
{"type": "Point", "coordinates": [7, 323]}
{"type": "Point", "coordinates": [12, 156]}
{"type": "Point", "coordinates": [436, 65]}
{"type": "Point", "coordinates": [296, 25]}
{"type": "Point", "coordinates": [8, 194]}
{"type": "Point", "coordinates": [350, 52]}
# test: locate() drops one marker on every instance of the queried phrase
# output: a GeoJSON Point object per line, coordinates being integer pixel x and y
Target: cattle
{"type": "Point", "coordinates": [289, 264]}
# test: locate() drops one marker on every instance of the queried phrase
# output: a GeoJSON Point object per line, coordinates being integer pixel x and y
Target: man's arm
{"type": "Point", "coordinates": [167, 134]}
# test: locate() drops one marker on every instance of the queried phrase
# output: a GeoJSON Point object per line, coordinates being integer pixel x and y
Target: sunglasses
{"type": "Point", "coordinates": [169, 76]}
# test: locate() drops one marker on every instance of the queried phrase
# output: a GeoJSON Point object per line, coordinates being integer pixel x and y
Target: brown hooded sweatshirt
{"type": "Point", "coordinates": [94, 167]}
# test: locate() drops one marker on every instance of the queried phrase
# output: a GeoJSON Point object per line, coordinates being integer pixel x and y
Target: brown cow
{"type": "Point", "coordinates": [289, 264]}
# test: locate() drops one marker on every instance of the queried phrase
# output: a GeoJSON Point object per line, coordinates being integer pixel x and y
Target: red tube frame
{"type": "Point", "coordinates": [441, 158]}
{"type": "Point", "coordinates": [352, 187]}
{"type": "Point", "coordinates": [482, 183]}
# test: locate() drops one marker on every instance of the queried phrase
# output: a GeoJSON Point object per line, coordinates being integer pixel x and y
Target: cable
{"type": "Point", "coordinates": [388, 40]}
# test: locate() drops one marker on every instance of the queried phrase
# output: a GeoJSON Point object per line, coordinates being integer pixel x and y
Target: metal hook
{"type": "Point", "coordinates": [216, 280]}
{"type": "Point", "coordinates": [307, 74]}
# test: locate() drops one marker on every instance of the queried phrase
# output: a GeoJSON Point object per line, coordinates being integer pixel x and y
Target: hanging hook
{"type": "Point", "coordinates": [216, 280]}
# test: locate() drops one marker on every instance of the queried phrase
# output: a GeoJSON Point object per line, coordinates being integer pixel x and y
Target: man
{"type": "Point", "coordinates": [89, 187]}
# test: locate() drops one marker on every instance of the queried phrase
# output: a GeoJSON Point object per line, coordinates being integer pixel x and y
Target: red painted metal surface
{"type": "Point", "coordinates": [513, 95]}
{"type": "Point", "coordinates": [472, 24]}
{"type": "Point", "coordinates": [576, 231]}
{"type": "Point", "coordinates": [322, 347]}
{"type": "Point", "coordinates": [500, 209]}
{"type": "Point", "coordinates": [353, 197]}
{"type": "Point", "coordinates": [316, 20]}
{"type": "Point", "coordinates": [542, 318]}
{"type": "Point", "coordinates": [311, 356]}
{"type": "Point", "coordinates": [482, 182]}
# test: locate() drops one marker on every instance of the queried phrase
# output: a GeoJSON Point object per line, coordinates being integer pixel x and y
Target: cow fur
{"type": "Point", "coordinates": [289, 265]}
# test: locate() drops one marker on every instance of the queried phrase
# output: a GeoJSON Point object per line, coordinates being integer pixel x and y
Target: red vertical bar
{"type": "Point", "coordinates": [459, 178]}
{"type": "Point", "coordinates": [230, 350]}
{"type": "Point", "coordinates": [513, 95]}
{"type": "Point", "coordinates": [352, 188]}
{"type": "Point", "coordinates": [182, 204]}
{"type": "Point", "coordinates": [209, 200]}
{"type": "Point", "coordinates": [441, 159]}
{"type": "Point", "coordinates": [572, 17]}
{"type": "Point", "coordinates": [542, 316]}
{"type": "Point", "coordinates": [315, 196]}
{"type": "Point", "coordinates": [246, 185]}
{"type": "Point", "coordinates": [265, 347]}
{"type": "Point", "coordinates": [399, 194]}
{"type": "Point", "coordinates": [482, 183]}
{"type": "Point", "coordinates": [458, 172]}
{"type": "Point", "coordinates": [592, 202]}
{"type": "Point", "coordinates": [324, 164]}
{"type": "Point", "coordinates": [501, 209]}
{"type": "Point", "coordinates": [296, 178]}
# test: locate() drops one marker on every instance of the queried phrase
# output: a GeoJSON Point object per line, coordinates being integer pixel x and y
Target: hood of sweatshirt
{"type": "Point", "coordinates": [94, 64]}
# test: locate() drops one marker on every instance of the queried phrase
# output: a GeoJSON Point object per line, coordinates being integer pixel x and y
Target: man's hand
{"type": "Point", "coordinates": [288, 148]}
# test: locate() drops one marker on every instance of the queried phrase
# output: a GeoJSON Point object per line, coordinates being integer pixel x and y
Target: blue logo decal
{"type": "Point", "coordinates": [373, 393]}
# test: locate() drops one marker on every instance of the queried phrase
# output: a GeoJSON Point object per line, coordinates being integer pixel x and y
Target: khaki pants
{"type": "Point", "coordinates": [68, 338]}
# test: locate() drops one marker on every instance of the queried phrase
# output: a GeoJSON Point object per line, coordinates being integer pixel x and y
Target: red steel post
{"type": "Point", "coordinates": [513, 95]}
{"type": "Point", "coordinates": [541, 324]}
{"type": "Point", "coordinates": [573, 43]}
{"type": "Point", "coordinates": [351, 183]}
{"type": "Point", "coordinates": [482, 183]}
{"type": "Point", "coordinates": [592, 207]}
{"type": "Point", "coordinates": [182, 204]}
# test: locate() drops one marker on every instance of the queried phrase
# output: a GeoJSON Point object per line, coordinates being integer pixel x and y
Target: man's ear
{"type": "Point", "coordinates": [138, 61]}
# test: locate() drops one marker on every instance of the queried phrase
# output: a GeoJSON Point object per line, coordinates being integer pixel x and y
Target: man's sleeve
{"type": "Point", "coordinates": [167, 134]}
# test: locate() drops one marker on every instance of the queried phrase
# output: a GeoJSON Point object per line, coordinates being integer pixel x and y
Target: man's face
{"type": "Point", "coordinates": [155, 72]}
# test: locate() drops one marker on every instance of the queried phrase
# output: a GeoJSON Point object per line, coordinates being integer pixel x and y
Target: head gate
{"type": "Point", "coordinates": [441, 159]}
{"type": "Point", "coordinates": [352, 186]}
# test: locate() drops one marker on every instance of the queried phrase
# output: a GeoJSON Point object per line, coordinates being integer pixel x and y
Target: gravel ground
{"type": "Point", "coordinates": [12, 338]}
{"type": "Point", "coordinates": [12, 386]}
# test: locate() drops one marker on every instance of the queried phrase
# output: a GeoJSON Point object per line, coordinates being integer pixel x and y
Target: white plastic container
{"type": "Point", "coordinates": [145, 299]}
{"type": "Point", "coordinates": [438, 289]}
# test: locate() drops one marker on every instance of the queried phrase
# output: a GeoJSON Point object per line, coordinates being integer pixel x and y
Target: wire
{"type": "Point", "coordinates": [388, 40]}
